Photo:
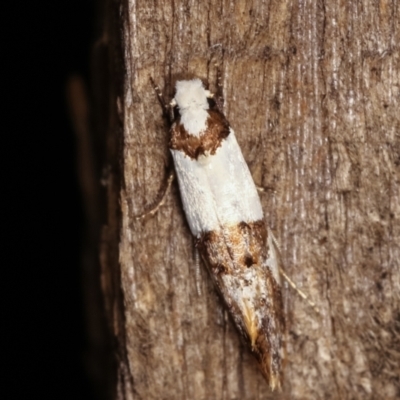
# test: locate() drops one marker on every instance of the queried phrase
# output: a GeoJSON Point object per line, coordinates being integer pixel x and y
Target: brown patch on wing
{"type": "Point", "coordinates": [229, 254]}
{"type": "Point", "coordinates": [207, 143]}
{"type": "Point", "coordinates": [237, 246]}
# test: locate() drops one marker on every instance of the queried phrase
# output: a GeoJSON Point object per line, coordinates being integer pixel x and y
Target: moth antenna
{"type": "Point", "coordinates": [218, 96]}
{"type": "Point", "coordinates": [168, 111]}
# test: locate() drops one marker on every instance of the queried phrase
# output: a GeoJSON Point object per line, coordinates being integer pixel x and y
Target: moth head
{"type": "Point", "coordinates": [191, 95]}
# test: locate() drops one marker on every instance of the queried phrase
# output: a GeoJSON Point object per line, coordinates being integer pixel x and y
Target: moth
{"type": "Point", "coordinates": [224, 213]}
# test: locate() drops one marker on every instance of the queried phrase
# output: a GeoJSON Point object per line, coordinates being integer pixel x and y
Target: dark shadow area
{"type": "Point", "coordinates": [45, 337]}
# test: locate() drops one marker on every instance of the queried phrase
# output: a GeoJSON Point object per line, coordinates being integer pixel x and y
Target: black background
{"type": "Point", "coordinates": [43, 332]}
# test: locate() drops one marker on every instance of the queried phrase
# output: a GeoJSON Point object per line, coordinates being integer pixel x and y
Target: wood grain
{"type": "Point", "coordinates": [312, 90]}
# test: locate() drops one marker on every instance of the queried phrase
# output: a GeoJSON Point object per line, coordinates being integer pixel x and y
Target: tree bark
{"type": "Point", "coordinates": [312, 90]}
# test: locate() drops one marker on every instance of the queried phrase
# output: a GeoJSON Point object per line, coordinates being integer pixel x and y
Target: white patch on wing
{"type": "Point", "coordinates": [217, 189]}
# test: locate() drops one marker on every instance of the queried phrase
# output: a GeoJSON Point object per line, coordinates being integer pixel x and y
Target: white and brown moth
{"type": "Point", "coordinates": [225, 216]}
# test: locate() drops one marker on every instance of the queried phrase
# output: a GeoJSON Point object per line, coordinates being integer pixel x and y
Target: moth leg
{"type": "Point", "coordinates": [168, 114]}
{"type": "Point", "coordinates": [288, 280]}
{"type": "Point", "coordinates": [160, 198]}
{"type": "Point", "coordinates": [260, 189]}
{"type": "Point", "coordinates": [265, 189]}
{"type": "Point", "coordinates": [299, 292]}
{"type": "Point", "coordinates": [197, 270]}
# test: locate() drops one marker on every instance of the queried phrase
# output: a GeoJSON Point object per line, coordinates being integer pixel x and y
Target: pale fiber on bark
{"type": "Point", "coordinates": [312, 91]}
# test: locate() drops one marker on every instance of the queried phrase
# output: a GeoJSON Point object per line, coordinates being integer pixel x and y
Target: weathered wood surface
{"type": "Point", "coordinates": [312, 91]}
